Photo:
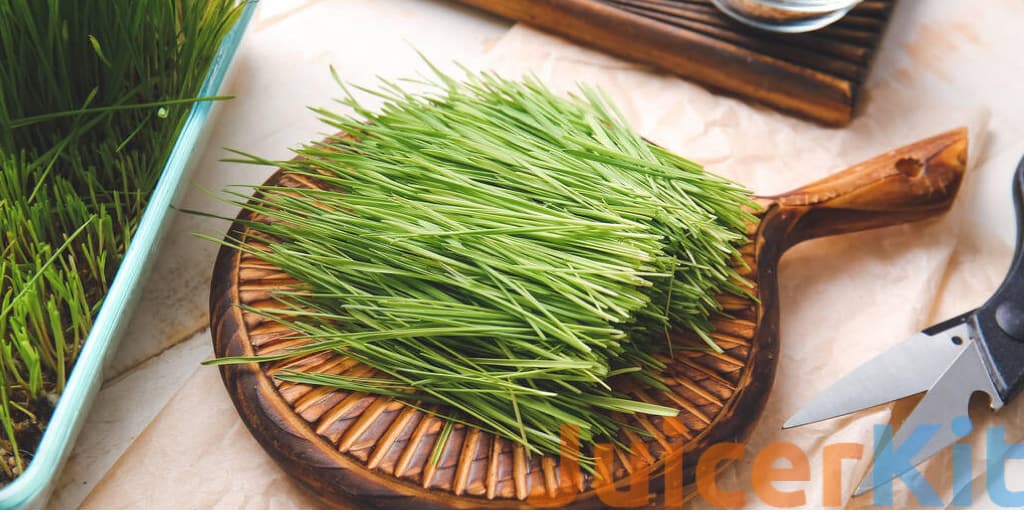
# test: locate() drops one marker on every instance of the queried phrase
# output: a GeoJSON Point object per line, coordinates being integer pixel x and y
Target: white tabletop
{"type": "Point", "coordinates": [282, 67]}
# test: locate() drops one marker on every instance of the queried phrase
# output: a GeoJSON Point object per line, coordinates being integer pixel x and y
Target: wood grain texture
{"type": "Point", "coordinates": [816, 75]}
{"type": "Point", "coordinates": [358, 449]}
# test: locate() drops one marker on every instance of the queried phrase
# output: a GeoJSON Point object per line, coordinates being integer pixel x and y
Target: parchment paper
{"type": "Point", "coordinates": [842, 299]}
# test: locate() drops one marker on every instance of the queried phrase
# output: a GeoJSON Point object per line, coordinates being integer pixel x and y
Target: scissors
{"type": "Point", "coordinates": [981, 350]}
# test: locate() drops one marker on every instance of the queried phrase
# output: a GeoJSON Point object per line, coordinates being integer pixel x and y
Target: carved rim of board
{"type": "Point", "coordinates": [376, 450]}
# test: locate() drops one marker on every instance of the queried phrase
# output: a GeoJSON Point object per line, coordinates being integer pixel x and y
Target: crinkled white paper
{"type": "Point", "coordinates": [842, 299]}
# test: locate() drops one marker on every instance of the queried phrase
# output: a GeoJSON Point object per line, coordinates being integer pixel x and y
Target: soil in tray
{"type": "Point", "coordinates": [28, 431]}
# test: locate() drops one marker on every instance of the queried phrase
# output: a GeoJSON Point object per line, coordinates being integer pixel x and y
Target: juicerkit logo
{"type": "Point", "coordinates": [889, 464]}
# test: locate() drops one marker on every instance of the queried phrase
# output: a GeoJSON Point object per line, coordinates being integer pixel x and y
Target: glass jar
{"type": "Point", "coordinates": [788, 16]}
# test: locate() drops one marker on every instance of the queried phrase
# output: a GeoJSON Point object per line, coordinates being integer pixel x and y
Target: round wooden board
{"type": "Point", "coordinates": [354, 448]}
{"type": "Point", "coordinates": [359, 449]}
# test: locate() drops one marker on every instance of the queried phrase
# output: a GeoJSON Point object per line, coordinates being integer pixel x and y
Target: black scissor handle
{"type": "Point", "coordinates": [1001, 319]}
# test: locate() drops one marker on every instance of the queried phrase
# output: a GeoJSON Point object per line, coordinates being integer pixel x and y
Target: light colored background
{"type": "Point", "coordinates": [942, 63]}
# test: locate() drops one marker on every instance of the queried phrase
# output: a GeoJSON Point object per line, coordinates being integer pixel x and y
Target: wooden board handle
{"type": "Point", "coordinates": [910, 183]}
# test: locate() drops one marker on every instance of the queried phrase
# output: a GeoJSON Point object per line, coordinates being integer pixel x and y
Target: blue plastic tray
{"type": "Point", "coordinates": [32, 488]}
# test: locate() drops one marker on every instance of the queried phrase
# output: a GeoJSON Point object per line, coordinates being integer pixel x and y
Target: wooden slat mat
{"type": "Point", "coordinates": [815, 75]}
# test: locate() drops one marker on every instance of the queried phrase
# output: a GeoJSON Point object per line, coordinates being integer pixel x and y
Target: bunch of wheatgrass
{"type": "Point", "coordinates": [498, 249]}
{"type": "Point", "coordinates": [92, 96]}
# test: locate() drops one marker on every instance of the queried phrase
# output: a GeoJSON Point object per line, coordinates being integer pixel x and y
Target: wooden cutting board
{"type": "Point", "coordinates": [815, 75]}
{"type": "Point", "coordinates": [377, 451]}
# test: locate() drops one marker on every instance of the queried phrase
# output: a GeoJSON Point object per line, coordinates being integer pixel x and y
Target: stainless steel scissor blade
{"type": "Point", "coordinates": [946, 400]}
{"type": "Point", "coordinates": [908, 368]}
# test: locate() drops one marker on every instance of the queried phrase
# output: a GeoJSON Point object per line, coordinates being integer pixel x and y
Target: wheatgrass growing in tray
{"type": "Point", "coordinates": [92, 96]}
{"type": "Point", "coordinates": [498, 249]}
